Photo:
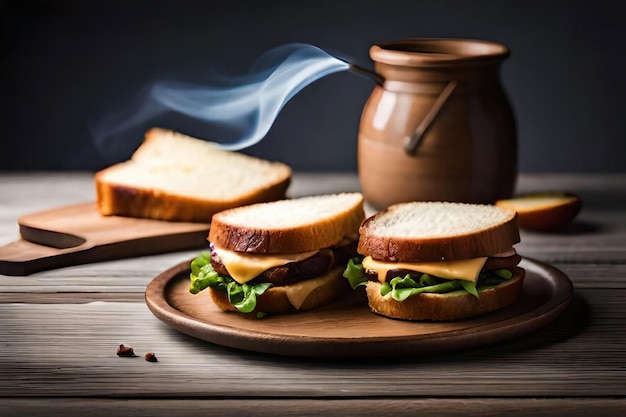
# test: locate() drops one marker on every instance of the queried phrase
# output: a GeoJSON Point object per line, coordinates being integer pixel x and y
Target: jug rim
{"type": "Point", "coordinates": [437, 51]}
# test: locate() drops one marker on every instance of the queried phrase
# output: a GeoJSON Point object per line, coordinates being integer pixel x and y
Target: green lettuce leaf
{"type": "Point", "coordinates": [403, 288]}
{"type": "Point", "coordinates": [241, 296]}
{"type": "Point", "coordinates": [470, 287]}
{"type": "Point", "coordinates": [354, 272]}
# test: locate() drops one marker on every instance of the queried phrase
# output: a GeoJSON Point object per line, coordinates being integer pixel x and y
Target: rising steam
{"type": "Point", "coordinates": [248, 105]}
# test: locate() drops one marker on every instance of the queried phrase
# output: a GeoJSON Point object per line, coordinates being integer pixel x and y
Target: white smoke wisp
{"type": "Point", "coordinates": [249, 105]}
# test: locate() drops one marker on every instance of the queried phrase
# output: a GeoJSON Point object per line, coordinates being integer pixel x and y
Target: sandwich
{"type": "Point", "coordinates": [438, 261]}
{"type": "Point", "coordinates": [280, 257]}
{"type": "Point", "coordinates": [175, 177]}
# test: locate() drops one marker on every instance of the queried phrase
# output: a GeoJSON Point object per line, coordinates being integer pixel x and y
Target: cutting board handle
{"type": "Point", "coordinates": [79, 234]}
{"type": "Point", "coordinates": [22, 257]}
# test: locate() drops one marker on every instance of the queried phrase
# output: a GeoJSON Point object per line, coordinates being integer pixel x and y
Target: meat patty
{"type": "Point", "coordinates": [293, 272]}
{"type": "Point", "coordinates": [505, 262]}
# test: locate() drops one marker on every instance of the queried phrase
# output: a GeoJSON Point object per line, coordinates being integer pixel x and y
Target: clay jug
{"type": "Point", "coordinates": [439, 126]}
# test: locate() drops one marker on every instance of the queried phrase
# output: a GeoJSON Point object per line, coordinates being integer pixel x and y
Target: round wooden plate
{"type": "Point", "coordinates": [347, 328]}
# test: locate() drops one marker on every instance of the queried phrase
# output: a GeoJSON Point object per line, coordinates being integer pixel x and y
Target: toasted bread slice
{"type": "Point", "coordinates": [549, 210]}
{"type": "Point", "coordinates": [438, 231]}
{"type": "Point", "coordinates": [289, 226]}
{"type": "Point", "coordinates": [448, 306]}
{"type": "Point", "coordinates": [175, 177]}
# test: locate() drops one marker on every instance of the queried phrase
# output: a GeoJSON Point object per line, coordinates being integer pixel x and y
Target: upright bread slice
{"type": "Point", "coordinates": [289, 226]}
{"type": "Point", "coordinates": [175, 177]}
{"type": "Point", "coordinates": [438, 231]}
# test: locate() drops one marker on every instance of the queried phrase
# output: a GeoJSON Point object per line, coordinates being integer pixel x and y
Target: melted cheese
{"type": "Point", "coordinates": [466, 269]}
{"type": "Point", "coordinates": [298, 292]}
{"type": "Point", "coordinates": [242, 267]}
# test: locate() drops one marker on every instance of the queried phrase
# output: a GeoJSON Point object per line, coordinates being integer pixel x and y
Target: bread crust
{"type": "Point", "coordinates": [275, 301]}
{"type": "Point", "coordinates": [121, 200]}
{"type": "Point", "coordinates": [322, 233]}
{"type": "Point", "coordinates": [488, 241]}
{"type": "Point", "coordinates": [554, 216]}
{"type": "Point", "coordinates": [446, 307]}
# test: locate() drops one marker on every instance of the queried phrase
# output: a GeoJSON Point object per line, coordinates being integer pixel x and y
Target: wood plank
{"type": "Point", "coordinates": [595, 237]}
{"type": "Point", "coordinates": [69, 350]}
{"type": "Point", "coordinates": [599, 234]}
{"type": "Point", "coordinates": [124, 275]}
{"type": "Point", "coordinates": [133, 275]}
{"type": "Point", "coordinates": [71, 297]}
{"type": "Point", "coordinates": [24, 193]}
{"type": "Point", "coordinates": [56, 341]}
{"type": "Point", "coordinates": [348, 328]}
{"type": "Point", "coordinates": [78, 234]}
{"type": "Point", "coordinates": [120, 276]}
{"type": "Point", "coordinates": [527, 407]}
{"type": "Point", "coordinates": [595, 275]}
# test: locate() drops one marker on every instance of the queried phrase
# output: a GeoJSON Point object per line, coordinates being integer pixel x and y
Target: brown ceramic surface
{"type": "Point", "coordinates": [440, 126]}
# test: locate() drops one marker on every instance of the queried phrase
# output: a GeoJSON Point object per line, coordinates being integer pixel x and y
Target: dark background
{"type": "Point", "coordinates": [65, 61]}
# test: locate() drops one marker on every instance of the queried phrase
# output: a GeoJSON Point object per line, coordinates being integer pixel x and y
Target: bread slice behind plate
{"type": "Point", "coordinates": [179, 178]}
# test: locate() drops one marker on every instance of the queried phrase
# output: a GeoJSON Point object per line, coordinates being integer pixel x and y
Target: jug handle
{"type": "Point", "coordinates": [378, 79]}
{"type": "Point", "coordinates": [412, 141]}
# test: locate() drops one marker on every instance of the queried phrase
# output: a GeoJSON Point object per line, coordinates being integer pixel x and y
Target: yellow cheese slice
{"type": "Point", "coordinates": [466, 269]}
{"type": "Point", "coordinates": [242, 267]}
{"type": "Point", "coordinates": [298, 292]}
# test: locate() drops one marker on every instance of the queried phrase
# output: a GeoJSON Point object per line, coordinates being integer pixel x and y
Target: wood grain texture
{"type": "Point", "coordinates": [59, 331]}
{"type": "Point", "coordinates": [77, 234]}
{"type": "Point", "coordinates": [597, 235]}
{"type": "Point", "coordinates": [133, 275]}
{"type": "Point", "coordinates": [451, 407]}
{"type": "Point", "coordinates": [123, 275]}
{"type": "Point", "coordinates": [69, 350]}
{"type": "Point", "coordinates": [348, 329]}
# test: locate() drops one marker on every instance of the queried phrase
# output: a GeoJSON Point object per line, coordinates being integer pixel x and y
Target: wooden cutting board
{"type": "Point", "coordinates": [78, 234]}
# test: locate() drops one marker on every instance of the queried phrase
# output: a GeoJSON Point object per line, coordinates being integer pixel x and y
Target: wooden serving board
{"type": "Point", "coordinates": [79, 234]}
{"type": "Point", "coordinates": [347, 328]}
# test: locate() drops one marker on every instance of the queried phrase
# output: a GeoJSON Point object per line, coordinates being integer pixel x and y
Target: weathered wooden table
{"type": "Point", "coordinates": [59, 331]}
